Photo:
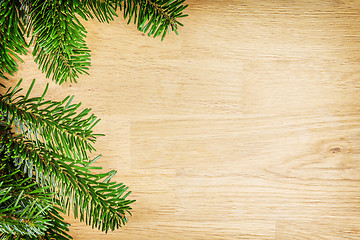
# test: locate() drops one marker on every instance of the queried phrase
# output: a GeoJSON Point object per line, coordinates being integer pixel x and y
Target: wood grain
{"type": "Point", "coordinates": [246, 126]}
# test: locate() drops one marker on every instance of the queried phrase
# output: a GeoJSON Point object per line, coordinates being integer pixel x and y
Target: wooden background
{"type": "Point", "coordinates": [246, 126]}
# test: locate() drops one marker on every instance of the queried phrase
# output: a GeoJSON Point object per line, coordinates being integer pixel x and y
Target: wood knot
{"type": "Point", "coordinates": [335, 149]}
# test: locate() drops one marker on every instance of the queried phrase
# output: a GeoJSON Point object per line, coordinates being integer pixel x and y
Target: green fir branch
{"type": "Point", "coordinates": [60, 48]}
{"type": "Point", "coordinates": [92, 197]}
{"type": "Point", "coordinates": [59, 37]}
{"type": "Point", "coordinates": [155, 17]}
{"type": "Point", "coordinates": [26, 210]}
{"type": "Point", "coordinates": [102, 10]}
{"type": "Point", "coordinates": [12, 41]}
{"type": "Point", "coordinates": [55, 124]}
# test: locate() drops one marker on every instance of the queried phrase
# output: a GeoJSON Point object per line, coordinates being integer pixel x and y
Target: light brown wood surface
{"type": "Point", "coordinates": [246, 126]}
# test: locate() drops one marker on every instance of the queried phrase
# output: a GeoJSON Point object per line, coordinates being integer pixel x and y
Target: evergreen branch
{"type": "Point", "coordinates": [10, 225]}
{"type": "Point", "coordinates": [103, 10]}
{"type": "Point", "coordinates": [55, 124]}
{"type": "Point", "coordinates": [12, 42]}
{"type": "Point", "coordinates": [156, 17]}
{"type": "Point", "coordinates": [60, 48]}
{"type": "Point", "coordinates": [59, 228]}
{"type": "Point", "coordinates": [55, 227]}
{"type": "Point", "coordinates": [24, 15]}
{"type": "Point", "coordinates": [27, 210]}
{"type": "Point", "coordinates": [23, 206]}
{"type": "Point", "coordinates": [93, 198]}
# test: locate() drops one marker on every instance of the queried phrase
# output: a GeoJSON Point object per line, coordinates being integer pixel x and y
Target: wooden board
{"type": "Point", "coordinates": [246, 126]}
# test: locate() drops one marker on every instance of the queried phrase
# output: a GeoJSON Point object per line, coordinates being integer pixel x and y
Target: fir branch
{"type": "Point", "coordinates": [31, 230]}
{"type": "Point", "coordinates": [23, 206]}
{"type": "Point", "coordinates": [10, 225]}
{"type": "Point", "coordinates": [60, 48]}
{"type": "Point", "coordinates": [103, 10]}
{"type": "Point", "coordinates": [52, 123]}
{"type": "Point", "coordinates": [59, 229]}
{"type": "Point", "coordinates": [156, 17]}
{"type": "Point", "coordinates": [92, 197]}
{"type": "Point", "coordinates": [12, 41]}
